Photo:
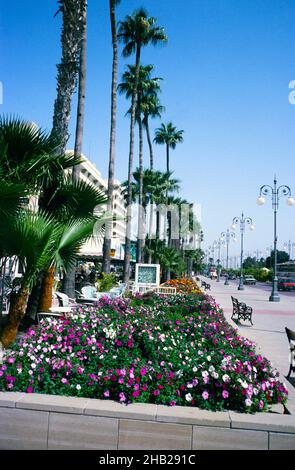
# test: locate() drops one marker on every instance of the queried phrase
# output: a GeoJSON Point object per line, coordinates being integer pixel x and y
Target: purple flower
{"type": "Point", "coordinates": [205, 395]}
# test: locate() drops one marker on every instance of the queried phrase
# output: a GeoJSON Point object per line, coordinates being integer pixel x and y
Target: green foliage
{"type": "Point", "coordinates": [169, 135]}
{"type": "Point", "coordinates": [282, 257]}
{"type": "Point", "coordinates": [107, 282]}
{"type": "Point", "coordinates": [260, 274]}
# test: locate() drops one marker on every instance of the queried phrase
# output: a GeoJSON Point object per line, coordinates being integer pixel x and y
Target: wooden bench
{"type": "Point", "coordinates": [241, 310]}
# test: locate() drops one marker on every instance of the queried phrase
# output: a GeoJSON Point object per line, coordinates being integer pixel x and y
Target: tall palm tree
{"type": "Point", "coordinates": [147, 86]}
{"type": "Point", "coordinates": [169, 136]}
{"type": "Point", "coordinates": [136, 32]}
{"type": "Point", "coordinates": [69, 278]}
{"type": "Point", "coordinates": [112, 152]}
{"type": "Point", "coordinates": [67, 71]}
{"type": "Point", "coordinates": [151, 108]}
{"type": "Point", "coordinates": [81, 89]}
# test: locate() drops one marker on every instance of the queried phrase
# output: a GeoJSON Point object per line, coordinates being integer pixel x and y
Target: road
{"type": "Point", "coordinates": [269, 318]}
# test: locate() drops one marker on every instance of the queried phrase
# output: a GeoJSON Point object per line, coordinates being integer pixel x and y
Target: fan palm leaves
{"type": "Point", "coordinates": [33, 160]}
{"type": "Point", "coordinates": [169, 136]}
{"type": "Point", "coordinates": [28, 155]}
{"type": "Point", "coordinates": [170, 259]}
{"type": "Point", "coordinates": [41, 243]}
{"type": "Point", "coordinates": [139, 30]}
{"type": "Point", "coordinates": [146, 84]}
{"type": "Point", "coordinates": [75, 199]}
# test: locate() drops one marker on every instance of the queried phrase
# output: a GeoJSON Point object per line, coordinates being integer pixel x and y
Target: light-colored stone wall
{"type": "Point", "coordinates": [33, 421]}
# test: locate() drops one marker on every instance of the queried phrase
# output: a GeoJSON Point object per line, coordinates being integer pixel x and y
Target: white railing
{"type": "Point", "coordinates": [143, 288]}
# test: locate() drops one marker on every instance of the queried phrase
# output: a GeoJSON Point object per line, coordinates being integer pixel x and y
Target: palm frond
{"type": "Point", "coordinates": [78, 199]}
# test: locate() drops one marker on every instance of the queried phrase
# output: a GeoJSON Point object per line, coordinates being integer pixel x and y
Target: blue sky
{"type": "Point", "coordinates": [226, 71]}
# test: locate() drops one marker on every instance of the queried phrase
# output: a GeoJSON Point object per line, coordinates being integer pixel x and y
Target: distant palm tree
{"type": "Point", "coordinates": [106, 267]}
{"type": "Point", "coordinates": [169, 136]}
{"type": "Point", "coordinates": [147, 86]}
{"type": "Point", "coordinates": [81, 89]}
{"type": "Point", "coordinates": [135, 32]}
{"type": "Point", "coordinates": [170, 260]}
{"type": "Point", "coordinates": [155, 186]}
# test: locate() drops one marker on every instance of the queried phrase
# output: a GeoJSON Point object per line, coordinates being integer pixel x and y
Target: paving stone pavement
{"type": "Point", "coordinates": [269, 320]}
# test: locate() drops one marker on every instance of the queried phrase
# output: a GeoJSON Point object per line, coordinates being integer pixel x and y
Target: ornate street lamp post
{"type": "Point", "coordinates": [227, 236]}
{"type": "Point", "coordinates": [219, 244]}
{"type": "Point", "coordinates": [275, 192]}
{"type": "Point", "coordinates": [213, 250]}
{"type": "Point", "coordinates": [242, 221]}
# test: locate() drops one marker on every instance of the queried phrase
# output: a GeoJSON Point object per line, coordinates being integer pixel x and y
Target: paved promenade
{"type": "Point", "coordinates": [269, 320]}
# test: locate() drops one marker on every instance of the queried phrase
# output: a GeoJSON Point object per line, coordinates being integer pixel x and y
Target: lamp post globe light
{"type": "Point", "coordinates": [275, 192]}
{"type": "Point", "coordinates": [227, 237]}
{"type": "Point", "coordinates": [242, 221]}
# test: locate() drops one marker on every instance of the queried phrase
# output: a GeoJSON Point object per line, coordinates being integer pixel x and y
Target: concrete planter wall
{"type": "Point", "coordinates": [33, 421]}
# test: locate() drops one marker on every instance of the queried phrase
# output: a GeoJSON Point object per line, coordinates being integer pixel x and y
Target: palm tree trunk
{"type": "Point", "coordinates": [140, 228]}
{"type": "Point", "coordinates": [151, 229]}
{"type": "Point", "coordinates": [130, 169]}
{"type": "Point", "coordinates": [166, 223]}
{"type": "Point", "coordinates": [16, 313]}
{"type": "Point", "coordinates": [34, 297]}
{"type": "Point", "coordinates": [45, 301]}
{"type": "Point", "coordinates": [106, 263]}
{"type": "Point", "coordinates": [69, 277]}
{"type": "Point", "coordinates": [81, 93]}
{"type": "Point", "coordinates": [167, 158]}
{"type": "Point", "coordinates": [148, 136]}
{"type": "Point", "coordinates": [67, 70]}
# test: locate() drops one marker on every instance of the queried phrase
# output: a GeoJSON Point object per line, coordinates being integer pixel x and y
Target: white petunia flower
{"type": "Point", "coordinates": [188, 397]}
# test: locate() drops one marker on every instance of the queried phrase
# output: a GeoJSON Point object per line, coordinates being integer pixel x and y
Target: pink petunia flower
{"type": "Point", "coordinates": [225, 394]}
{"type": "Point", "coordinates": [205, 395]}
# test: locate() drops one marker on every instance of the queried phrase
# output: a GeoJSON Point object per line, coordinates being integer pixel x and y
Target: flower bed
{"type": "Point", "coordinates": [174, 351]}
{"type": "Point", "coordinates": [183, 286]}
